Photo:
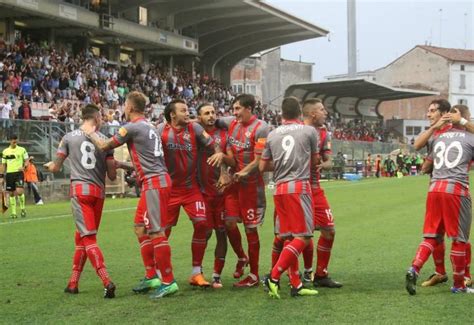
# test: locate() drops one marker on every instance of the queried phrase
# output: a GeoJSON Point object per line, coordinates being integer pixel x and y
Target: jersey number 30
{"type": "Point", "coordinates": [442, 152]}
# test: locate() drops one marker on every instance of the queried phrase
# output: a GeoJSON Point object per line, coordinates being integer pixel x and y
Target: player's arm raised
{"type": "Point", "coordinates": [425, 136]}
{"type": "Point", "coordinates": [102, 144]}
{"type": "Point", "coordinates": [456, 118]}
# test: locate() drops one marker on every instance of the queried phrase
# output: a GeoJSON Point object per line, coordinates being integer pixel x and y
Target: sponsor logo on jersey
{"type": "Point", "coordinates": [122, 131]}
{"type": "Point", "coordinates": [239, 144]}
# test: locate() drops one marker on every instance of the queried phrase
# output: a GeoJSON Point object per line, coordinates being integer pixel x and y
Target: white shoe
{"type": "Point", "coordinates": [40, 202]}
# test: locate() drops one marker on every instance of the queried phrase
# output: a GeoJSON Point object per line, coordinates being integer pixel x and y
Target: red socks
{"type": "Point", "coordinates": [458, 260]}
{"type": "Point", "coordinates": [199, 242]}
{"type": "Point", "coordinates": [308, 252]}
{"type": "Point", "coordinates": [323, 252]}
{"type": "Point", "coordinates": [78, 261]}
{"type": "Point", "coordinates": [146, 249]}
{"type": "Point", "coordinates": [163, 258]}
{"type": "Point", "coordinates": [423, 253]}
{"type": "Point", "coordinates": [438, 258]}
{"type": "Point", "coordinates": [235, 240]}
{"type": "Point", "coordinates": [96, 258]}
{"type": "Point", "coordinates": [467, 272]}
{"type": "Point", "coordinates": [254, 251]}
{"type": "Point", "coordinates": [218, 265]}
{"type": "Point", "coordinates": [288, 257]}
{"type": "Point", "coordinates": [276, 249]}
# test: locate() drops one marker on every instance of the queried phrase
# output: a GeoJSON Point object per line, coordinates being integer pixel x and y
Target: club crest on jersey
{"type": "Point", "coordinates": [122, 131]}
{"type": "Point", "coordinates": [186, 136]}
{"type": "Point", "coordinates": [247, 134]}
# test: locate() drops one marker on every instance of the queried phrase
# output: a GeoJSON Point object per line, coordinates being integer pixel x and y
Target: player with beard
{"type": "Point", "coordinates": [144, 144]}
{"type": "Point", "coordinates": [182, 141]}
{"type": "Point", "coordinates": [88, 169]}
{"type": "Point", "coordinates": [210, 182]}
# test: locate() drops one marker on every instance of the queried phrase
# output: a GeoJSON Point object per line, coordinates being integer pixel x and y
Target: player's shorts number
{"type": "Point", "coordinates": [200, 206]}
{"type": "Point", "coordinates": [88, 159]}
{"type": "Point", "coordinates": [158, 151]}
{"type": "Point", "coordinates": [287, 143]}
{"type": "Point", "coordinates": [250, 214]}
{"type": "Point", "coordinates": [442, 154]}
{"type": "Point", "coordinates": [146, 221]}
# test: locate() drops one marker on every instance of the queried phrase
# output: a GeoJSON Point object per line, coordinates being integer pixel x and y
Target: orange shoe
{"type": "Point", "coordinates": [248, 282]}
{"type": "Point", "coordinates": [240, 267]}
{"type": "Point", "coordinates": [435, 279]}
{"type": "Point", "coordinates": [198, 280]}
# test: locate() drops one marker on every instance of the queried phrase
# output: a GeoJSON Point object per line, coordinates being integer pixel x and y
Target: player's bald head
{"type": "Point", "coordinates": [290, 108]}
{"type": "Point", "coordinates": [309, 106]}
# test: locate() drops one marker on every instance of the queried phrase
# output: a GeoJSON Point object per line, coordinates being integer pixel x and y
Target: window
{"type": "Point", "coordinates": [238, 88]}
{"type": "Point", "coordinates": [251, 89]}
{"type": "Point", "coordinates": [462, 101]}
{"type": "Point", "coordinates": [462, 81]}
{"type": "Point", "coordinates": [462, 67]}
{"type": "Point", "coordinates": [412, 130]}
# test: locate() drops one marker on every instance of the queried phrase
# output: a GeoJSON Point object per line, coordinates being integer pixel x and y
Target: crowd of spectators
{"type": "Point", "coordinates": [33, 72]}
{"type": "Point", "coordinates": [37, 72]}
{"type": "Point", "coordinates": [358, 130]}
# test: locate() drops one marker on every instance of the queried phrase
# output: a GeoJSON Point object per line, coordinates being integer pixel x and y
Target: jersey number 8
{"type": "Point", "coordinates": [88, 159]}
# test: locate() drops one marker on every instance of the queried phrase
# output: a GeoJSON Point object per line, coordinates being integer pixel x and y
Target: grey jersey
{"type": "Point", "coordinates": [452, 153]}
{"type": "Point", "coordinates": [146, 151]}
{"type": "Point", "coordinates": [88, 164]}
{"type": "Point", "coordinates": [291, 146]}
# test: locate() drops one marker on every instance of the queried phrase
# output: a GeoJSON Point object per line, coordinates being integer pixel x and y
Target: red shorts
{"type": "Point", "coordinates": [294, 215]}
{"type": "Point", "coordinates": [87, 212]}
{"type": "Point", "coordinates": [152, 209]}
{"type": "Point", "coordinates": [191, 200]}
{"type": "Point", "coordinates": [323, 218]}
{"type": "Point", "coordinates": [247, 203]}
{"type": "Point", "coordinates": [448, 213]}
{"type": "Point", "coordinates": [215, 211]}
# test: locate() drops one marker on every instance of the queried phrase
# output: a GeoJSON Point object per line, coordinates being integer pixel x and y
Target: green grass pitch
{"type": "Point", "coordinates": [378, 224]}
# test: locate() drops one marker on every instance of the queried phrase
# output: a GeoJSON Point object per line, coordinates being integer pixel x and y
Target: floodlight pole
{"type": "Point", "coordinates": [351, 39]}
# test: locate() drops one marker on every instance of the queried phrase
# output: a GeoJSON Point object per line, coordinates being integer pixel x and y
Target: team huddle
{"type": "Point", "coordinates": [213, 169]}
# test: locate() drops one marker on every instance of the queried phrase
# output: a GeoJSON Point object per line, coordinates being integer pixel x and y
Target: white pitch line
{"type": "Point", "coordinates": [59, 216]}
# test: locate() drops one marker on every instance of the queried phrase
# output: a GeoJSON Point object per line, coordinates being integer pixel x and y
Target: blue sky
{"type": "Point", "coordinates": [385, 30]}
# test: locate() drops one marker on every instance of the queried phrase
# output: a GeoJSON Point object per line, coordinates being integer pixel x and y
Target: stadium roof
{"type": "Point", "coordinates": [229, 30]}
{"type": "Point", "coordinates": [221, 32]}
{"type": "Point", "coordinates": [360, 91]}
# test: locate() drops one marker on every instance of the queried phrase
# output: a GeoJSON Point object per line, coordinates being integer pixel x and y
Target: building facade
{"type": "Point", "coordinates": [448, 71]}
{"type": "Point", "coordinates": [266, 75]}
